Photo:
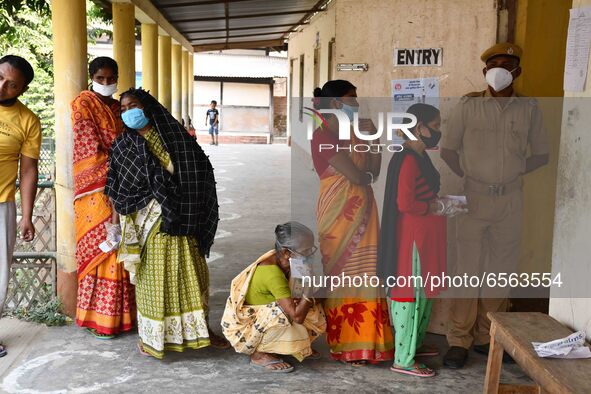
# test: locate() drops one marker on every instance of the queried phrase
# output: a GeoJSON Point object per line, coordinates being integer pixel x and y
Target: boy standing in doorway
{"type": "Point", "coordinates": [214, 120]}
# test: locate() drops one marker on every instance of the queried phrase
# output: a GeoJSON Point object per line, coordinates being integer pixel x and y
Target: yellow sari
{"type": "Point", "coordinates": [358, 324]}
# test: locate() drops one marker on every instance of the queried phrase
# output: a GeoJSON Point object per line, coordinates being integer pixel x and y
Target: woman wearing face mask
{"type": "Point", "coordinates": [413, 238]}
{"type": "Point", "coordinates": [106, 302]}
{"type": "Point", "coordinates": [262, 318]}
{"type": "Point", "coordinates": [162, 185]}
{"type": "Point", "coordinates": [358, 326]}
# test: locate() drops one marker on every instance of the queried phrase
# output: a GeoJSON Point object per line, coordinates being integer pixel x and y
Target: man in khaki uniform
{"type": "Point", "coordinates": [486, 142]}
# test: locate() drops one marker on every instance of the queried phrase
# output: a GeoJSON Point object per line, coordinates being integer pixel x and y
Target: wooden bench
{"type": "Point", "coordinates": [513, 332]}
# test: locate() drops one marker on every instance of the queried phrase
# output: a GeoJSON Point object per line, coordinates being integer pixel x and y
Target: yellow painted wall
{"type": "Point", "coordinates": [541, 31]}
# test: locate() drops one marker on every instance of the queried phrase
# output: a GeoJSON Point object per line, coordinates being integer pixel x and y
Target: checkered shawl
{"type": "Point", "coordinates": [188, 197]}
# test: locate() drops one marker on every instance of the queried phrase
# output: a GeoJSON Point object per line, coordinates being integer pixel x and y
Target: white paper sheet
{"type": "Point", "coordinates": [572, 346]}
{"type": "Point", "coordinates": [578, 44]}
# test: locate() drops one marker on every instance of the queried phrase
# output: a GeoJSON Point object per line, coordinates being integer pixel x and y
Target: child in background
{"type": "Point", "coordinates": [213, 117]}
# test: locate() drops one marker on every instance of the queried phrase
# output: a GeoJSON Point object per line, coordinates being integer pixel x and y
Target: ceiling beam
{"type": "Point", "coordinates": [239, 45]}
{"type": "Point", "coordinates": [218, 18]}
{"type": "Point", "coordinates": [237, 36]}
{"type": "Point", "coordinates": [227, 15]}
{"type": "Point", "coordinates": [238, 28]}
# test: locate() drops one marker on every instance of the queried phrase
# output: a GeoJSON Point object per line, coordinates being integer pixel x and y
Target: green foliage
{"type": "Point", "coordinates": [25, 30]}
{"type": "Point", "coordinates": [46, 310]}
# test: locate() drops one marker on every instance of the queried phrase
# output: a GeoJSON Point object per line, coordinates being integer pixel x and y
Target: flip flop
{"type": "Point", "coordinates": [413, 371]}
{"type": "Point", "coordinates": [3, 351]}
{"type": "Point", "coordinates": [95, 334]}
{"type": "Point", "coordinates": [427, 353]}
{"type": "Point", "coordinates": [273, 362]}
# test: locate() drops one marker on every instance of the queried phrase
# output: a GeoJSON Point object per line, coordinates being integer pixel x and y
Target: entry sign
{"type": "Point", "coordinates": [418, 56]}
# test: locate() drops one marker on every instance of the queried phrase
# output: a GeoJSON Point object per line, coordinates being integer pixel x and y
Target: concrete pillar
{"type": "Point", "coordinates": [191, 85]}
{"type": "Point", "coordinates": [176, 81]}
{"type": "Point", "coordinates": [150, 58]}
{"type": "Point", "coordinates": [164, 72]}
{"type": "Point", "coordinates": [124, 43]}
{"type": "Point", "coordinates": [185, 86]}
{"type": "Point", "coordinates": [70, 78]}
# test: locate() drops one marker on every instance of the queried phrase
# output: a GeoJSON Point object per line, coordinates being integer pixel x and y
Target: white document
{"type": "Point", "coordinates": [572, 346]}
{"type": "Point", "coordinates": [461, 199]}
{"type": "Point", "coordinates": [578, 44]}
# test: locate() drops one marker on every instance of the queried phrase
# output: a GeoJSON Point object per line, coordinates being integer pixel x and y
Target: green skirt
{"type": "Point", "coordinates": [172, 283]}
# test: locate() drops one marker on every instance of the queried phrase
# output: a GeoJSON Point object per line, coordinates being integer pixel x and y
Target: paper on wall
{"type": "Point", "coordinates": [578, 44]}
{"type": "Point", "coordinates": [572, 346]}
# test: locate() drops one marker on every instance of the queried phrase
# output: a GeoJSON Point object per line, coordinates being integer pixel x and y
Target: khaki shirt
{"type": "Point", "coordinates": [492, 140]}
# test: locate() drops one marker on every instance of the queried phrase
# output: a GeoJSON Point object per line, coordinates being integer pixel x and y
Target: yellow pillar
{"type": "Point", "coordinates": [124, 43]}
{"type": "Point", "coordinates": [164, 72]}
{"type": "Point", "coordinates": [150, 58]}
{"type": "Point", "coordinates": [185, 86]}
{"type": "Point", "coordinates": [191, 86]}
{"type": "Point", "coordinates": [70, 77]}
{"type": "Point", "coordinates": [176, 81]}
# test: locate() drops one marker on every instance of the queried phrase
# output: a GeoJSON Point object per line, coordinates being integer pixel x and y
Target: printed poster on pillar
{"type": "Point", "coordinates": [406, 92]}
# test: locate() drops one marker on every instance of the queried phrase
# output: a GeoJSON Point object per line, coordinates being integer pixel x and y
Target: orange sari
{"type": "Point", "coordinates": [358, 323]}
{"type": "Point", "coordinates": [106, 300]}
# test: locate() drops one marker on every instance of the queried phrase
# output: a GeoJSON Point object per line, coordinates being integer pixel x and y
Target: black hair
{"type": "Point", "coordinates": [20, 64]}
{"type": "Point", "coordinates": [136, 93]}
{"type": "Point", "coordinates": [102, 62]}
{"type": "Point", "coordinates": [425, 113]}
{"type": "Point", "coordinates": [286, 234]}
{"type": "Point", "coordinates": [214, 102]}
{"type": "Point", "coordinates": [331, 89]}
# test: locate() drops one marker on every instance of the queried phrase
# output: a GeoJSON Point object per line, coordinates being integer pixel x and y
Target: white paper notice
{"type": "Point", "coordinates": [572, 346]}
{"type": "Point", "coordinates": [578, 44]}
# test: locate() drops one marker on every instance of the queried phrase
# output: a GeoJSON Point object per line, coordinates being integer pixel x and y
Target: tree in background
{"type": "Point", "coordinates": [25, 30]}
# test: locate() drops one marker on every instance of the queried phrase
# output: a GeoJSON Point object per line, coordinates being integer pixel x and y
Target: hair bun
{"type": "Point", "coordinates": [317, 92]}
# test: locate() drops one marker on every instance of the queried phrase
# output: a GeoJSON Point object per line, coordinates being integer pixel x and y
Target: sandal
{"type": "Point", "coordinates": [98, 335]}
{"type": "Point", "coordinates": [218, 342]}
{"type": "Point", "coordinates": [3, 351]}
{"type": "Point", "coordinates": [419, 370]}
{"type": "Point", "coordinates": [273, 362]}
{"type": "Point", "coordinates": [314, 356]}
{"type": "Point", "coordinates": [140, 347]}
{"type": "Point", "coordinates": [425, 351]}
{"type": "Point", "coordinates": [355, 363]}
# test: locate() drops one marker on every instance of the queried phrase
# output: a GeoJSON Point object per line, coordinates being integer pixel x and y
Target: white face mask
{"type": "Point", "coordinates": [499, 78]}
{"type": "Point", "coordinates": [104, 90]}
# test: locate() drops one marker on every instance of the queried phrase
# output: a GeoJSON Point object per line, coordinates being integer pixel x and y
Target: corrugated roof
{"type": "Point", "coordinates": [244, 66]}
{"type": "Point", "coordinates": [224, 24]}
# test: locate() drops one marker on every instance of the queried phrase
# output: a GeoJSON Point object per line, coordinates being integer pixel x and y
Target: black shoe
{"type": "Point", "coordinates": [455, 357]}
{"type": "Point", "coordinates": [483, 349]}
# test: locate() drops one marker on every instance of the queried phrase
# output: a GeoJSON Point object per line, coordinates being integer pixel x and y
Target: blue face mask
{"type": "Point", "coordinates": [349, 110]}
{"type": "Point", "coordinates": [134, 118]}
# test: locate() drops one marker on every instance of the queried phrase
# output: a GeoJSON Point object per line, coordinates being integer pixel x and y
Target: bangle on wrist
{"type": "Point", "coordinates": [371, 180]}
{"type": "Point", "coordinates": [441, 206]}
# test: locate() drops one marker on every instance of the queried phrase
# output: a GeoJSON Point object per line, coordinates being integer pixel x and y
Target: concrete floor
{"type": "Point", "coordinates": [254, 192]}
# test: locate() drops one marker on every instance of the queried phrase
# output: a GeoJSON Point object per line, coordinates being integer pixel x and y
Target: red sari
{"type": "Point", "coordinates": [358, 324]}
{"type": "Point", "coordinates": [106, 299]}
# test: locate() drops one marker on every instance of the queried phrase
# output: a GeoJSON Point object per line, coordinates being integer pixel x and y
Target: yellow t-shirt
{"type": "Point", "coordinates": [20, 134]}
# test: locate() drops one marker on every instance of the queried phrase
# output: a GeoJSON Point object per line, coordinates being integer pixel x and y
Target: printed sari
{"type": "Point", "coordinates": [170, 274]}
{"type": "Point", "coordinates": [106, 301]}
{"type": "Point", "coordinates": [266, 328]}
{"type": "Point", "coordinates": [358, 324]}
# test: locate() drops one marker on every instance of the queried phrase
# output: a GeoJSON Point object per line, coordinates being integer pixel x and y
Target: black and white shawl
{"type": "Point", "coordinates": [188, 197]}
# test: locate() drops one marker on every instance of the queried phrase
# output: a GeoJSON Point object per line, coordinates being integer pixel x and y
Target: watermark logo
{"type": "Point", "coordinates": [394, 121]}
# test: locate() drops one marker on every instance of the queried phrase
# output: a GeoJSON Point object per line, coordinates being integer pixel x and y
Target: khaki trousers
{"type": "Point", "coordinates": [488, 240]}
